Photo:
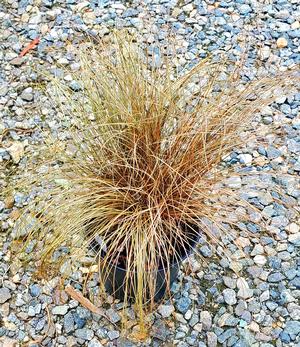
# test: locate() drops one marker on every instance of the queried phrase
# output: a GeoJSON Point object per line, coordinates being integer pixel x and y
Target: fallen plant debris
{"type": "Point", "coordinates": [76, 295]}
{"type": "Point", "coordinates": [30, 46]}
{"type": "Point", "coordinates": [7, 130]}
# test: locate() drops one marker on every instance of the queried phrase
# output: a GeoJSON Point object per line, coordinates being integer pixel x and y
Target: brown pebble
{"type": "Point", "coordinates": [17, 61]}
{"type": "Point", "coordinates": [15, 214]}
{"type": "Point", "coordinates": [9, 202]}
{"type": "Point", "coordinates": [281, 42]}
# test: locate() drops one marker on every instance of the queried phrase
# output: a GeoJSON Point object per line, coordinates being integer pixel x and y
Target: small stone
{"type": "Point", "coordinates": [84, 334]}
{"type": "Point", "coordinates": [295, 239]}
{"type": "Point", "coordinates": [89, 17]}
{"type": "Point", "coordinates": [27, 94]}
{"type": "Point", "coordinates": [69, 323]}
{"type": "Point", "coordinates": [260, 260]}
{"type": "Point", "coordinates": [243, 241]}
{"type": "Point", "coordinates": [9, 202]}
{"type": "Point", "coordinates": [113, 316]}
{"type": "Point", "coordinates": [3, 90]}
{"type": "Point", "coordinates": [292, 328]}
{"type": "Point", "coordinates": [206, 251]}
{"type": "Point", "coordinates": [281, 42]}
{"type": "Point", "coordinates": [291, 273]}
{"type": "Point", "coordinates": [271, 305]}
{"type": "Point", "coordinates": [188, 314]}
{"type": "Point", "coordinates": [264, 296]}
{"type": "Point", "coordinates": [295, 25]}
{"type": "Point", "coordinates": [273, 153]}
{"type": "Point", "coordinates": [234, 182]}
{"type": "Point", "coordinates": [244, 291]}
{"type": "Point", "coordinates": [245, 9]}
{"type": "Point", "coordinates": [245, 159]}
{"type": "Point", "coordinates": [284, 337]}
{"type": "Point", "coordinates": [265, 52]}
{"type": "Point", "coordinates": [176, 12]}
{"type": "Point", "coordinates": [254, 327]}
{"type": "Point", "coordinates": [94, 343]}
{"type": "Point", "coordinates": [227, 319]}
{"type": "Point", "coordinates": [35, 290]}
{"type": "Point", "coordinates": [240, 308]}
{"type": "Point", "coordinates": [79, 321]}
{"type": "Point", "coordinates": [17, 61]}
{"type": "Point", "coordinates": [226, 335]}
{"type": "Point", "coordinates": [16, 151]}
{"type": "Point", "coordinates": [229, 282]}
{"type": "Point", "coordinates": [101, 333]}
{"type": "Point", "coordinates": [183, 304]}
{"type": "Point", "coordinates": [206, 320]}
{"type": "Point", "coordinates": [188, 8]}
{"type": "Point", "coordinates": [113, 334]}
{"type": "Point", "coordinates": [36, 19]}
{"type": "Point", "coordinates": [34, 310]}
{"type": "Point", "coordinates": [229, 296]}
{"type": "Point", "coordinates": [4, 295]}
{"type": "Point", "coordinates": [159, 330]}
{"type": "Point", "coordinates": [235, 266]}
{"type": "Point", "coordinates": [75, 86]}
{"type": "Point", "coordinates": [212, 339]}
{"type": "Point", "coordinates": [296, 282]}
{"type": "Point", "coordinates": [166, 310]}
{"type": "Point", "coordinates": [275, 277]}
{"type": "Point", "coordinates": [7, 342]}
{"type": "Point", "coordinates": [71, 342]}
{"type": "Point", "coordinates": [279, 221]}
{"type": "Point", "coordinates": [60, 310]}
{"type": "Point", "coordinates": [198, 327]}
{"type": "Point", "coordinates": [257, 250]}
{"type": "Point", "coordinates": [64, 61]}
{"type": "Point", "coordinates": [293, 146]}
{"type": "Point", "coordinates": [123, 342]}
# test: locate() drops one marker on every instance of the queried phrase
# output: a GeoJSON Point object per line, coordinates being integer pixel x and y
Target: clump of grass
{"type": "Point", "coordinates": [146, 166]}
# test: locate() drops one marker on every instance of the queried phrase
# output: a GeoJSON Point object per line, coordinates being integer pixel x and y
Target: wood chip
{"type": "Point", "coordinates": [74, 294]}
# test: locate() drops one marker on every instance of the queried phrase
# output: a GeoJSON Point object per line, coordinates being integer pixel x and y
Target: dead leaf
{"type": "Point", "coordinates": [30, 46]}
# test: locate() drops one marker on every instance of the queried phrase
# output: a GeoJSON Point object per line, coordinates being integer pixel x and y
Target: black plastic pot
{"type": "Point", "coordinates": [115, 282]}
{"type": "Point", "coordinates": [116, 277]}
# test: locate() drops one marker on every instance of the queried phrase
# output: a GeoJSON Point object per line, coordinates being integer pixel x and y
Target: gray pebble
{"type": "Point", "coordinates": [166, 310]}
{"type": "Point", "coordinates": [183, 304]}
{"type": "Point", "coordinates": [27, 94]}
{"type": "Point", "coordinates": [113, 334]}
{"type": "Point", "coordinates": [60, 310]}
{"type": "Point", "coordinates": [69, 323]}
{"type": "Point", "coordinates": [275, 277]}
{"type": "Point", "coordinates": [113, 316]}
{"type": "Point", "coordinates": [212, 339]}
{"type": "Point", "coordinates": [206, 320]}
{"type": "Point", "coordinates": [94, 343]}
{"type": "Point", "coordinates": [229, 296]}
{"type": "Point", "coordinates": [4, 295]}
{"type": "Point", "coordinates": [84, 334]}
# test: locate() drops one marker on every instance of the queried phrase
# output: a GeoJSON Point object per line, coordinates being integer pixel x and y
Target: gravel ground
{"type": "Point", "coordinates": [211, 305]}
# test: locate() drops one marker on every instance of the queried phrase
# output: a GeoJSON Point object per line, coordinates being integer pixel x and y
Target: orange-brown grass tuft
{"type": "Point", "coordinates": [148, 144]}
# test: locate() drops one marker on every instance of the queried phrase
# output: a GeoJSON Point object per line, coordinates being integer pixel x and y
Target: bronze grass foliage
{"type": "Point", "coordinates": [148, 147]}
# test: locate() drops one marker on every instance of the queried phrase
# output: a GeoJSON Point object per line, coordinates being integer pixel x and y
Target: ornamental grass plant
{"type": "Point", "coordinates": [145, 177]}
